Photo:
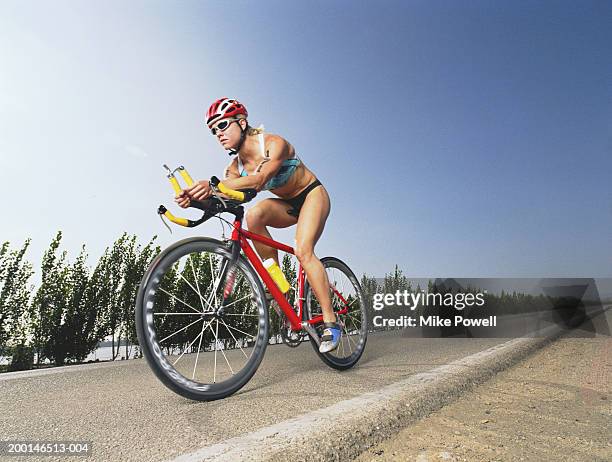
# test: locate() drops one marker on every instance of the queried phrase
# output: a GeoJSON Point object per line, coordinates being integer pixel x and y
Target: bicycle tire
{"type": "Point", "coordinates": [334, 358]}
{"type": "Point", "coordinates": [149, 329]}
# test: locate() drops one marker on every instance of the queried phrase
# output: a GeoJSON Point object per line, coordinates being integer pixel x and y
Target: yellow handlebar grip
{"type": "Point", "coordinates": [185, 176]}
{"type": "Point", "coordinates": [232, 194]}
{"type": "Point", "coordinates": [177, 220]}
{"type": "Point", "coordinates": [175, 184]}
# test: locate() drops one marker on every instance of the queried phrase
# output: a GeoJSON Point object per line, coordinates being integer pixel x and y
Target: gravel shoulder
{"type": "Point", "coordinates": [555, 405]}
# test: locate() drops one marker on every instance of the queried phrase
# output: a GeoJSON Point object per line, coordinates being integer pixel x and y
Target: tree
{"type": "Point", "coordinates": [166, 326]}
{"type": "Point", "coordinates": [63, 319]}
{"type": "Point", "coordinates": [135, 262]}
{"type": "Point", "coordinates": [49, 304]}
{"type": "Point", "coordinates": [80, 316]}
{"type": "Point", "coordinates": [22, 357]}
{"type": "Point", "coordinates": [110, 270]}
{"type": "Point", "coordinates": [15, 273]}
{"type": "Point", "coordinates": [395, 281]}
{"type": "Point", "coordinates": [369, 286]}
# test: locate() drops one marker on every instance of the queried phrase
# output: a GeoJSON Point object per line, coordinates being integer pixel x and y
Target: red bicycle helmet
{"type": "Point", "coordinates": [224, 108]}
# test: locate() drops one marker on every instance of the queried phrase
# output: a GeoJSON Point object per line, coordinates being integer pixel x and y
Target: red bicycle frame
{"type": "Point", "coordinates": [240, 236]}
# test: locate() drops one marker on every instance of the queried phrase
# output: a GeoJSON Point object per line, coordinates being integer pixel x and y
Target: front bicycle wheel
{"type": "Point", "coordinates": [349, 304]}
{"type": "Point", "coordinates": [196, 347]}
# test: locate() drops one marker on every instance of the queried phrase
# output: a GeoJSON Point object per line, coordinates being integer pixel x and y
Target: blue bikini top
{"type": "Point", "coordinates": [283, 174]}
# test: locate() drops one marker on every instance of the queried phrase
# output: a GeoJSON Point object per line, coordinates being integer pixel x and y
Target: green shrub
{"type": "Point", "coordinates": [23, 358]}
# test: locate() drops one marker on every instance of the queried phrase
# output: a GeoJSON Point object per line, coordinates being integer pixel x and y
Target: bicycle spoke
{"type": "Point", "coordinates": [179, 300]}
{"type": "Point", "coordinates": [344, 292]}
{"type": "Point", "coordinates": [355, 316]}
{"type": "Point", "coordinates": [176, 314]}
{"type": "Point", "coordinates": [216, 280]}
{"type": "Point", "coordinates": [223, 268]}
{"type": "Point", "coordinates": [187, 282]}
{"type": "Point", "coordinates": [213, 279]}
{"type": "Point", "coordinates": [190, 345]}
{"type": "Point", "coordinates": [242, 332]}
{"type": "Point", "coordinates": [222, 351]}
{"type": "Point", "coordinates": [353, 329]}
{"type": "Point", "coordinates": [180, 330]}
{"type": "Point", "coordinates": [210, 285]}
{"type": "Point", "coordinates": [241, 314]}
{"type": "Point", "coordinates": [196, 282]}
{"type": "Point", "coordinates": [198, 355]}
{"type": "Point", "coordinates": [348, 340]}
{"type": "Point", "coordinates": [354, 326]}
{"type": "Point", "coordinates": [215, 369]}
{"type": "Point", "coordinates": [354, 319]}
{"type": "Point", "coordinates": [213, 294]}
{"type": "Point", "coordinates": [235, 340]}
{"type": "Point", "coordinates": [348, 337]}
{"type": "Point", "coordinates": [236, 301]}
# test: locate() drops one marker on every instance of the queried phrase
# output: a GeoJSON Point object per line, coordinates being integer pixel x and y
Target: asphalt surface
{"type": "Point", "coordinates": [127, 414]}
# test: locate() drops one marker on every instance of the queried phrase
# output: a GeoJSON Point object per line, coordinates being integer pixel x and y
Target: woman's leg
{"type": "Point", "coordinates": [269, 212]}
{"type": "Point", "coordinates": [310, 225]}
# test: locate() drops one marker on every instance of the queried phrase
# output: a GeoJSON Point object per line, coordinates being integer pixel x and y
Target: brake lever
{"type": "Point", "coordinates": [161, 217]}
{"type": "Point", "coordinates": [215, 194]}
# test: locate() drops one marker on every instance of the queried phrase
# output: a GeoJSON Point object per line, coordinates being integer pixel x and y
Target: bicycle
{"type": "Point", "coordinates": [230, 315]}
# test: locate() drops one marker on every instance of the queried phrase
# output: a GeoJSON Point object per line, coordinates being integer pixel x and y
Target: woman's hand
{"type": "Point", "coordinates": [200, 191]}
{"type": "Point", "coordinates": [183, 199]}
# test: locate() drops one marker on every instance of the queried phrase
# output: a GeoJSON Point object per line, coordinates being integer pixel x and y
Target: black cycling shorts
{"type": "Point", "coordinates": [297, 201]}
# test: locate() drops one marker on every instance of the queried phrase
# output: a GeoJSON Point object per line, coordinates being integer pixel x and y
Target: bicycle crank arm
{"type": "Point", "coordinates": [311, 331]}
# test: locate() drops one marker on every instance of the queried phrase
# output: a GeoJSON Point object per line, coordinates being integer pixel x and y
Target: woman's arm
{"type": "Point", "coordinates": [278, 150]}
{"type": "Point", "coordinates": [201, 190]}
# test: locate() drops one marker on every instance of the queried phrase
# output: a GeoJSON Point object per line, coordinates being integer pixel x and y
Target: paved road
{"type": "Point", "coordinates": [128, 414]}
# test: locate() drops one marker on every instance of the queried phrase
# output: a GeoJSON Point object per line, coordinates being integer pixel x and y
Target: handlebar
{"type": "Point", "coordinates": [174, 182]}
{"type": "Point", "coordinates": [242, 195]}
{"type": "Point", "coordinates": [210, 207]}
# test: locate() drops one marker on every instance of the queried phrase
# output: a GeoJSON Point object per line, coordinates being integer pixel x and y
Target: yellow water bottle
{"type": "Point", "coordinates": [277, 275]}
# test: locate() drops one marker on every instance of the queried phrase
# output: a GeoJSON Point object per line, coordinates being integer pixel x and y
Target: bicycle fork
{"type": "Point", "coordinates": [228, 275]}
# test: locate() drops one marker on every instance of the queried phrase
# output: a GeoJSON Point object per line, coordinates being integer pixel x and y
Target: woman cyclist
{"type": "Point", "coordinates": [269, 162]}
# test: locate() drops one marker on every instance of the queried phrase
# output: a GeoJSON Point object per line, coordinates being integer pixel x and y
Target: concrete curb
{"type": "Point", "coordinates": [346, 429]}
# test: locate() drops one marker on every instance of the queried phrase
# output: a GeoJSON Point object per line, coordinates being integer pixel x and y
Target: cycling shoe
{"type": "Point", "coordinates": [330, 338]}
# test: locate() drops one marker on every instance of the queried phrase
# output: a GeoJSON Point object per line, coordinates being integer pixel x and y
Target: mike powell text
{"type": "Point", "coordinates": [412, 300]}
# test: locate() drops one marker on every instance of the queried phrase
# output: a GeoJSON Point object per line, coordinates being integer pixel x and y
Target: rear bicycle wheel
{"type": "Point", "coordinates": [349, 304]}
{"type": "Point", "coordinates": [197, 348]}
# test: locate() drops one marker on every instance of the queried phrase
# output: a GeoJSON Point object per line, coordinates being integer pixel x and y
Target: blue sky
{"type": "Point", "coordinates": [463, 139]}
